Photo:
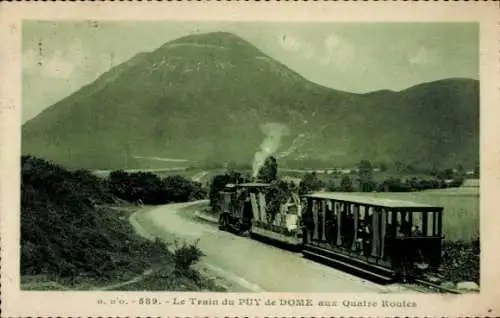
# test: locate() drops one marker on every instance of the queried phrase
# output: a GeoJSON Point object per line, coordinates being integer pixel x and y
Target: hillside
{"type": "Point", "coordinates": [68, 228]}
{"type": "Point", "coordinates": [76, 234]}
{"type": "Point", "coordinates": [205, 98]}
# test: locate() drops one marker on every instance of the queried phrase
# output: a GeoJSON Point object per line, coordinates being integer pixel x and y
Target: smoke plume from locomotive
{"type": "Point", "coordinates": [273, 133]}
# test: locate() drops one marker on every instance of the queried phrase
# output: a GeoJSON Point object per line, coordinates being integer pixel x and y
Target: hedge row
{"type": "Point", "coordinates": [416, 184]}
{"type": "Point", "coordinates": [149, 188]}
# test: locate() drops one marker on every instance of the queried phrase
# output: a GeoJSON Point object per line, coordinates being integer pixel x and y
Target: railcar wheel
{"type": "Point", "coordinates": [242, 228]}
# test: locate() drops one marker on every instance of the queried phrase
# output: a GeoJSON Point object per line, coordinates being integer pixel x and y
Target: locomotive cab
{"type": "Point", "coordinates": [236, 210]}
{"type": "Point", "coordinates": [243, 207]}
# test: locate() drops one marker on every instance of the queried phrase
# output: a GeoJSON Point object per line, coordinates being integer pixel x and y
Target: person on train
{"type": "Point", "coordinates": [399, 230]}
{"type": "Point", "coordinates": [404, 229]}
{"type": "Point", "coordinates": [415, 231]}
{"type": "Point", "coordinates": [369, 216]}
{"type": "Point", "coordinates": [329, 224]}
{"type": "Point", "coordinates": [391, 230]}
{"type": "Point", "coordinates": [348, 229]}
{"type": "Point", "coordinates": [358, 245]}
{"type": "Point", "coordinates": [367, 239]}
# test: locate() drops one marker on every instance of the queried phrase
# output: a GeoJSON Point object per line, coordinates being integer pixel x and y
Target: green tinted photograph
{"type": "Point", "coordinates": [250, 157]}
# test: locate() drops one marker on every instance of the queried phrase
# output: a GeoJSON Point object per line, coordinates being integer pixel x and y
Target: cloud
{"type": "Point", "coordinates": [290, 43]}
{"type": "Point", "coordinates": [333, 51]}
{"type": "Point", "coordinates": [56, 64]}
{"type": "Point", "coordinates": [338, 51]}
{"type": "Point", "coordinates": [293, 44]}
{"type": "Point", "coordinates": [421, 56]}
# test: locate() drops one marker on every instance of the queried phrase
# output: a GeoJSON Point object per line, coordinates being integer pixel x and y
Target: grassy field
{"type": "Point", "coordinates": [461, 209]}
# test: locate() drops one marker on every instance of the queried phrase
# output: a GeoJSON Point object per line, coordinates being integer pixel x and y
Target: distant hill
{"type": "Point", "coordinates": [204, 98]}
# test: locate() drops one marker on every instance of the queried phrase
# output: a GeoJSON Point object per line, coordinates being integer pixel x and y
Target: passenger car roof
{"type": "Point", "coordinates": [372, 201]}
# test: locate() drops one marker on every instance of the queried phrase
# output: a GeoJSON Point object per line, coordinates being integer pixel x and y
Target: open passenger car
{"type": "Point", "coordinates": [382, 238]}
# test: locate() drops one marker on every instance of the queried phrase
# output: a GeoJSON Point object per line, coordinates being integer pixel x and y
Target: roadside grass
{"type": "Point", "coordinates": [167, 279]}
{"type": "Point", "coordinates": [179, 275]}
{"type": "Point", "coordinates": [163, 275]}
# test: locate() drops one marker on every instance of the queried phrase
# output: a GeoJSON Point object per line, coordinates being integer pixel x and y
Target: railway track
{"type": "Point", "coordinates": [423, 286]}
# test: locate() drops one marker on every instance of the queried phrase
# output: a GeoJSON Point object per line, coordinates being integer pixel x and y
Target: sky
{"type": "Point", "coordinates": [60, 57]}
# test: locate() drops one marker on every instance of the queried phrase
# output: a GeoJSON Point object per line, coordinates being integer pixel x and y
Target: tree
{"type": "Point", "coordinates": [346, 184]}
{"type": "Point", "coordinates": [217, 185]}
{"type": "Point", "coordinates": [410, 168]}
{"type": "Point", "coordinates": [365, 176]}
{"type": "Point", "coordinates": [269, 170]}
{"type": "Point", "coordinates": [276, 195]}
{"type": "Point", "coordinates": [459, 176]}
{"type": "Point", "coordinates": [434, 171]}
{"type": "Point", "coordinates": [398, 165]}
{"type": "Point", "coordinates": [309, 183]}
{"type": "Point", "coordinates": [461, 170]}
{"type": "Point", "coordinates": [383, 166]}
{"type": "Point", "coordinates": [330, 185]}
{"type": "Point", "coordinates": [179, 189]}
{"type": "Point", "coordinates": [397, 185]}
{"type": "Point", "coordinates": [365, 165]}
{"type": "Point", "coordinates": [446, 174]}
{"type": "Point", "coordinates": [220, 181]}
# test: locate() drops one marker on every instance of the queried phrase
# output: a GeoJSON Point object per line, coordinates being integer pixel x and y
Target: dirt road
{"type": "Point", "coordinates": [245, 264]}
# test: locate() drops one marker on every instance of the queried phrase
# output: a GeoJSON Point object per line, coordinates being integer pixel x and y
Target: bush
{"type": "Point", "coordinates": [346, 184]}
{"type": "Point", "coordinates": [310, 183]}
{"type": "Point", "coordinates": [186, 255]}
{"type": "Point", "coordinates": [151, 189]}
{"type": "Point", "coordinates": [331, 186]}
{"type": "Point", "coordinates": [456, 182]}
{"type": "Point", "coordinates": [393, 185]}
{"type": "Point", "coordinates": [365, 176]}
{"type": "Point", "coordinates": [461, 261]}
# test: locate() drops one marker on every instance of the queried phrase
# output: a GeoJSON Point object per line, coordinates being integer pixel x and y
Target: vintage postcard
{"type": "Point", "coordinates": [228, 159]}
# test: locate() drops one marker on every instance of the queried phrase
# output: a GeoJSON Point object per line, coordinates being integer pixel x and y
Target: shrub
{"type": "Point", "coordinates": [331, 186]}
{"type": "Point", "coordinates": [186, 255]}
{"type": "Point", "coordinates": [346, 184]}
{"type": "Point", "coordinates": [365, 176]}
{"type": "Point", "coordinates": [151, 189]}
{"type": "Point", "coordinates": [461, 261]}
{"type": "Point", "coordinates": [310, 183]}
{"type": "Point", "coordinates": [414, 184]}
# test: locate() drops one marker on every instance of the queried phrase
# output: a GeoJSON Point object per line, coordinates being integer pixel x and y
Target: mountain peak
{"type": "Point", "coordinates": [221, 39]}
{"type": "Point", "coordinates": [204, 97]}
